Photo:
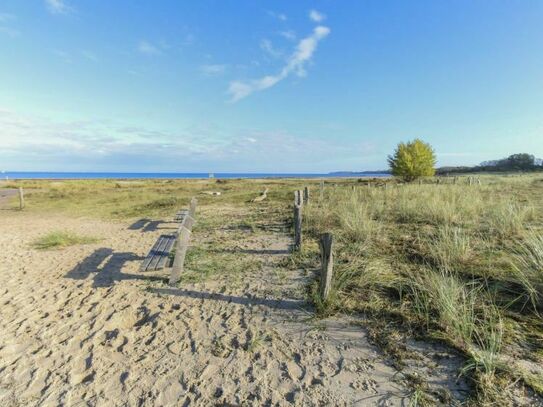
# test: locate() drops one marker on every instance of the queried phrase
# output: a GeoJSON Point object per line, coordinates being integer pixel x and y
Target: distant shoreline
{"type": "Point", "coordinates": [22, 175]}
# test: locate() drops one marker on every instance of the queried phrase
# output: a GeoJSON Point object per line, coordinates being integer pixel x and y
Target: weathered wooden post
{"type": "Point", "coordinates": [470, 181]}
{"type": "Point", "coordinates": [298, 198]}
{"type": "Point", "coordinates": [181, 247]}
{"type": "Point", "coordinates": [454, 180]}
{"type": "Point", "coordinates": [192, 208]}
{"type": "Point", "coordinates": [182, 242]}
{"type": "Point", "coordinates": [297, 227]}
{"type": "Point", "coordinates": [306, 195]}
{"type": "Point", "coordinates": [327, 263]}
{"type": "Point", "coordinates": [21, 198]}
{"type": "Point", "coordinates": [478, 181]}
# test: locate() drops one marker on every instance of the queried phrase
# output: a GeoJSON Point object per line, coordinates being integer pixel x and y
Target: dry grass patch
{"type": "Point", "coordinates": [60, 239]}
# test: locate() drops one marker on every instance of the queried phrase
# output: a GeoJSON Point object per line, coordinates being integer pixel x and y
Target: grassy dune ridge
{"type": "Point", "coordinates": [459, 263]}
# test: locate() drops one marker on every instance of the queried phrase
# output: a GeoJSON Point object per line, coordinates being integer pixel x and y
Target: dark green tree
{"type": "Point", "coordinates": [522, 161]}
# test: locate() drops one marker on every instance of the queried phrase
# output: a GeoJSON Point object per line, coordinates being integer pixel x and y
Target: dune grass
{"type": "Point", "coordinates": [455, 261]}
{"type": "Point", "coordinates": [60, 239]}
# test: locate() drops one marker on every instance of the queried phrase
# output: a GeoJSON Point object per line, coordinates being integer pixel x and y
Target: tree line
{"type": "Point", "coordinates": [515, 162]}
{"type": "Point", "coordinates": [416, 159]}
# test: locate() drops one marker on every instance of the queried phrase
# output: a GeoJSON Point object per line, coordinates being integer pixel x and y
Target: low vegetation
{"type": "Point", "coordinates": [458, 263]}
{"type": "Point", "coordinates": [59, 239]}
{"type": "Point", "coordinates": [454, 262]}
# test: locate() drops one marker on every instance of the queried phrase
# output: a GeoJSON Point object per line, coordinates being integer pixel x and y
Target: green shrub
{"type": "Point", "coordinates": [413, 160]}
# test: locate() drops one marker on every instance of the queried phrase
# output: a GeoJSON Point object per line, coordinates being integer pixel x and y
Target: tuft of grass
{"type": "Point", "coordinates": [438, 296]}
{"type": "Point", "coordinates": [528, 267]}
{"type": "Point", "coordinates": [202, 264]}
{"type": "Point", "coordinates": [507, 219]}
{"type": "Point", "coordinates": [59, 239]}
{"type": "Point", "coordinates": [450, 248]}
{"type": "Point", "coordinates": [357, 223]}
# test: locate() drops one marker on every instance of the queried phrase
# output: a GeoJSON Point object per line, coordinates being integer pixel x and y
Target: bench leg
{"type": "Point", "coordinates": [181, 247]}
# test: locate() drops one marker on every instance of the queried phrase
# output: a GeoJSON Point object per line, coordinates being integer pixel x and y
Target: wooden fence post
{"type": "Point", "coordinates": [297, 227]}
{"type": "Point", "coordinates": [298, 198]}
{"type": "Point", "coordinates": [181, 246]}
{"type": "Point", "coordinates": [470, 181]}
{"type": "Point", "coordinates": [21, 198]}
{"type": "Point", "coordinates": [327, 264]}
{"type": "Point", "coordinates": [306, 195]}
{"type": "Point", "coordinates": [192, 208]}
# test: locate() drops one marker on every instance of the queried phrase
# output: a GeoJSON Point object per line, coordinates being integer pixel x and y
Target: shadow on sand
{"type": "Point", "coordinates": [232, 299]}
{"type": "Point", "coordinates": [148, 225]}
{"type": "Point", "coordinates": [106, 266]}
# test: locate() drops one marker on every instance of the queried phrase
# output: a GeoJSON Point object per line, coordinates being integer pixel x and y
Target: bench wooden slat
{"type": "Point", "coordinates": [150, 255]}
{"type": "Point", "coordinates": [164, 260]}
{"type": "Point", "coordinates": [160, 251]}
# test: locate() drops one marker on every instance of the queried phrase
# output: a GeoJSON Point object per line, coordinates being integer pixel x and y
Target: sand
{"type": "Point", "coordinates": [82, 326]}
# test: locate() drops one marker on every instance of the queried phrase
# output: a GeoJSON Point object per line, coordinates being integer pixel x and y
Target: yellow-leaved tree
{"type": "Point", "coordinates": [412, 160]}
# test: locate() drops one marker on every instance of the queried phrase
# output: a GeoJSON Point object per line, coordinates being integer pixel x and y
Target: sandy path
{"type": "Point", "coordinates": [81, 326]}
{"type": "Point", "coordinates": [6, 195]}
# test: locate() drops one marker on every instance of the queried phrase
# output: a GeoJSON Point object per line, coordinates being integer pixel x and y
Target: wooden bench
{"type": "Point", "coordinates": [160, 256]}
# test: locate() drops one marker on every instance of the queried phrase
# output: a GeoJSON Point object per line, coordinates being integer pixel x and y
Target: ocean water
{"type": "Point", "coordinates": [173, 175]}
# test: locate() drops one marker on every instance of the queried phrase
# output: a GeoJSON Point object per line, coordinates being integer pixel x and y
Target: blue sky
{"type": "Point", "coordinates": [272, 86]}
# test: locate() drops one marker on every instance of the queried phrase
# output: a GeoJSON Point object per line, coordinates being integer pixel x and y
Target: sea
{"type": "Point", "coordinates": [10, 175]}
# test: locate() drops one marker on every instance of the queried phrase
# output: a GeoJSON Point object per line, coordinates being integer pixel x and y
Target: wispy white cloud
{"type": "Point", "coordinates": [58, 6]}
{"type": "Point", "coordinates": [317, 17]}
{"type": "Point", "coordinates": [267, 46]}
{"type": "Point", "coordinates": [295, 64]}
{"type": "Point", "coordinates": [36, 143]}
{"type": "Point", "coordinates": [288, 34]}
{"type": "Point", "coordinates": [147, 48]}
{"type": "Point", "coordinates": [213, 69]}
{"type": "Point", "coordinates": [279, 16]}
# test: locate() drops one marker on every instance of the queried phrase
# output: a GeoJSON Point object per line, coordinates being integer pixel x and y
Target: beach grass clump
{"type": "Point", "coordinates": [60, 239]}
{"type": "Point", "coordinates": [438, 204]}
{"type": "Point", "coordinates": [450, 248]}
{"type": "Point", "coordinates": [528, 267]}
{"type": "Point", "coordinates": [356, 222]}
{"type": "Point", "coordinates": [448, 260]}
{"type": "Point", "coordinates": [440, 297]}
{"type": "Point", "coordinates": [507, 219]}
